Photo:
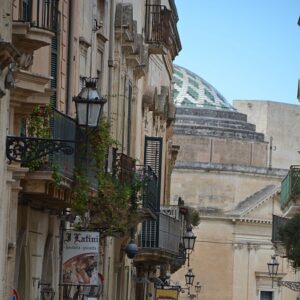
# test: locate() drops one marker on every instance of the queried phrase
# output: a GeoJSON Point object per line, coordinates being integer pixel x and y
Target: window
{"type": "Point", "coordinates": [266, 295]}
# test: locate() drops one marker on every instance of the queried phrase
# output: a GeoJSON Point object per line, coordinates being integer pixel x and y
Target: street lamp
{"type": "Point", "coordinates": [189, 277]}
{"type": "Point", "coordinates": [189, 239]}
{"type": "Point", "coordinates": [273, 265]}
{"type": "Point", "coordinates": [89, 106]}
{"type": "Point", "coordinates": [198, 287]}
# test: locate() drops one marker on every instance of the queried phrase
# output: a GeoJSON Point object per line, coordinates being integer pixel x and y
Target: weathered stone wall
{"type": "Point", "coordinates": [280, 121]}
{"type": "Point", "coordinates": [220, 150]}
{"type": "Point", "coordinates": [216, 123]}
{"type": "Point", "coordinates": [219, 189]}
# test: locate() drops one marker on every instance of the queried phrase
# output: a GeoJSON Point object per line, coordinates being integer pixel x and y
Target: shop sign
{"type": "Point", "coordinates": [166, 294]}
{"type": "Point", "coordinates": [80, 257]}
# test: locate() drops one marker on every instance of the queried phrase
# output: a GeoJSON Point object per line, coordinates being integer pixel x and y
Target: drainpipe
{"type": "Point", "coordinates": [70, 63]}
{"type": "Point", "coordinates": [111, 56]}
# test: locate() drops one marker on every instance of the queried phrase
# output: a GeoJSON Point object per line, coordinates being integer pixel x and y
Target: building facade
{"type": "Point", "coordinates": [47, 49]}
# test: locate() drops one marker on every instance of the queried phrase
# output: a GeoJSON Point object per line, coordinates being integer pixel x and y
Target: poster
{"type": "Point", "coordinates": [80, 257]}
{"type": "Point", "coordinates": [166, 294]}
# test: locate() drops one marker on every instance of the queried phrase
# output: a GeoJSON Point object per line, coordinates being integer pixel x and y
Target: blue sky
{"type": "Point", "coordinates": [247, 49]}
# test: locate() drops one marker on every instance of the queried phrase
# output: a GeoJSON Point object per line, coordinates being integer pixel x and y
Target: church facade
{"type": "Point", "coordinates": [229, 169]}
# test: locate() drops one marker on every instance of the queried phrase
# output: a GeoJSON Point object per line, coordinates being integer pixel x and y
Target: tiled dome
{"type": "Point", "coordinates": [190, 90]}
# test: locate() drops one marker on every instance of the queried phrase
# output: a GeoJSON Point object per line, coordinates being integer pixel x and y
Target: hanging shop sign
{"type": "Point", "coordinates": [80, 257]}
{"type": "Point", "coordinates": [166, 294]}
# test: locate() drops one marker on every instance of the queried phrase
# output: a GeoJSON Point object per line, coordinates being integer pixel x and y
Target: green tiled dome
{"type": "Point", "coordinates": [190, 90]}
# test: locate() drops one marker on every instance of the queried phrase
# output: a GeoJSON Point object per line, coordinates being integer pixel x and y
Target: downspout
{"type": "Point", "coordinates": [111, 57]}
{"type": "Point", "coordinates": [70, 63]}
{"type": "Point", "coordinates": [107, 249]}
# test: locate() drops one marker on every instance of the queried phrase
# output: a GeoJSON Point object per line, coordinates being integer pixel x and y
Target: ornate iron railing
{"type": "Point", "coordinates": [161, 28]}
{"type": "Point", "coordinates": [125, 168]}
{"type": "Point", "coordinates": [154, 24]}
{"type": "Point", "coordinates": [290, 186]}
{"type": "Point", "coordinates": [150, 196]}
{"type": "Point", "coordinates": [39, 13]}
{"type": "Point", "coordinates": [163, 233]}
{"type": "Point", "coordinates": [64, 128]}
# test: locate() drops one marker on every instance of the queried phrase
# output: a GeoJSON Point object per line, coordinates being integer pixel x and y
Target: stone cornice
{"type": "Point", "coordinates": [216, 167]}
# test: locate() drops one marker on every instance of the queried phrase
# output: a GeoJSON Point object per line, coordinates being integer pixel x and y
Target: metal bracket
{"type": "Point", "coordinates": [27, 149]}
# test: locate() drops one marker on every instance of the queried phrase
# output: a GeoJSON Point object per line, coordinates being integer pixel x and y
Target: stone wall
{"type": "Point", "coordinates": [213, 188]}
{"type": "Point", "coordinates": [221, 150]}
{"type": "Point", "coordinates": [279, 122]}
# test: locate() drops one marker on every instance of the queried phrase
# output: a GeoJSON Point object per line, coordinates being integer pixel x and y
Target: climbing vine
{"type": "Point", "coordinates": [290, 236]}
{"type": "Point", "coordinates": [113, 207]}
{"type": "Point", "coordinates": [37, 124]}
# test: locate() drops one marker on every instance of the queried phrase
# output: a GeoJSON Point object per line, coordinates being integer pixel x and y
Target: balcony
{"type": "Point", "coordinates": [40, 188]}
{"type": "Point", "coordinates": [30, 90]}
{"type": "Point", "coordinates": [34, 24]}
{"type": "Point", "coordinates": [290, 190]}
{"type": "Point", "coordinates": [161, 30]}
{"type": "Point", "coordinates": [127, 171]}
{"type": "Point", "coordinates": [159, 240]}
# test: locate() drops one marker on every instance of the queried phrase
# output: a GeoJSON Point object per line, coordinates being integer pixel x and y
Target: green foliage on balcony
{"type": "Point", "coordinates": [290, 186]}
{"type": "Point", "coordinates": [290, 235]}
{"type": "Point", "coordinates": [112, 207]}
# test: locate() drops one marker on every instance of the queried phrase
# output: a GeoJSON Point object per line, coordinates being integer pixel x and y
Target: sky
{"type": "Point", "coordinates": [247, 49]}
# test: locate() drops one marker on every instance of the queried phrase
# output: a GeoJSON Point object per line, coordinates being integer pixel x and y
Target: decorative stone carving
{"type": "Point", "coordinates": [161, 107]}
{"type": "Point", "coordinates": [9, 79]}
{"type": "Point", "coordinates": [25, 61]}
{"type": "Point", "coordinates": [124, 21]}
{"type": "Point", "coordinates": [150, 97]}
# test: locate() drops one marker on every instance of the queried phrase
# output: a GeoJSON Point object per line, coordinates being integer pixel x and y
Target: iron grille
{"type": "Point", "coordinates": [42, 15]}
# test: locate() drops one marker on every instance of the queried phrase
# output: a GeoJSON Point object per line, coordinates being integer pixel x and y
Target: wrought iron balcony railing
{"type": "Point", "coordinates": [164, 233]}
{"type": "Point", "coordinates": [290, 186]}
{"type": "Point", "coordinates": [127, 172]}
{"type": "Point", "coordinates": [125, 168]}
{"type": "Point", "coordinates": [150, 197]}
{"type": "Point", "coordinates": [65, 128]}
{"type": "Point", "coordinates": [161, 28]}
{"type": "Point", "coordinates": [39, 13]}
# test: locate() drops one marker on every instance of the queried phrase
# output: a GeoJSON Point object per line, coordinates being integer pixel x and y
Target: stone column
{"type": "Point", "coordinates": [12, 194]}
{"type": "Point", "coordinates": [6, 36]}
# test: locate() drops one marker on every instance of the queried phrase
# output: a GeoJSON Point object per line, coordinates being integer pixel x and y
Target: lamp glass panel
{"type": "Point", "coordinates": [189, 278]}
{"type": "Point", "coordinates": [198, 287]}
{"type": "Point", "coordinates": [273, 267]}
{"type": "Point", "coordinates": [93, 115]}
{"type": "Point", "coordinates": [189, 240]}
{"type": "Point", "coordinates": [82, 113]}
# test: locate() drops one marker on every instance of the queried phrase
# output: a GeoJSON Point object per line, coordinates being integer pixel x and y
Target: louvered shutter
{"type": "Point", "coordinates": [152, 159]}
